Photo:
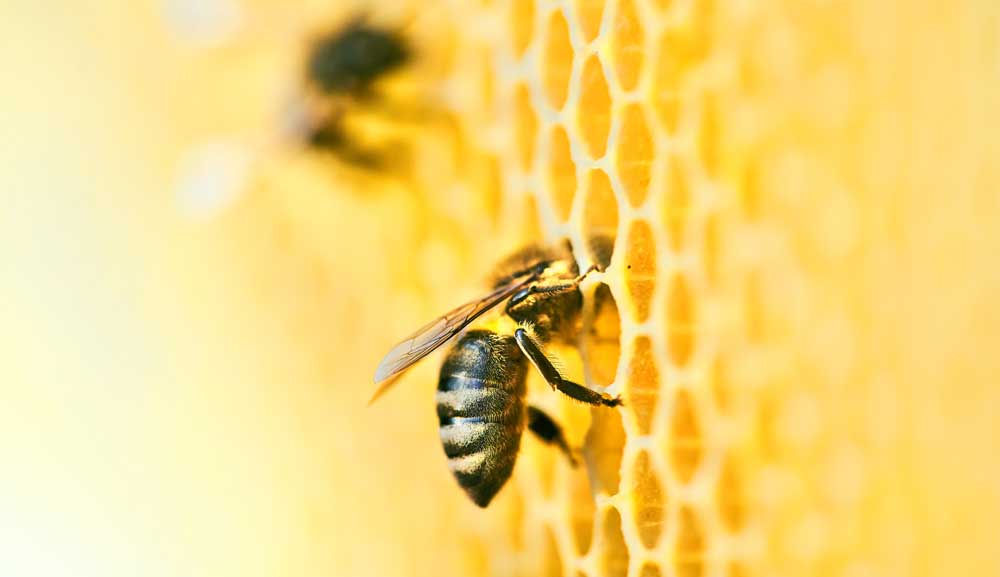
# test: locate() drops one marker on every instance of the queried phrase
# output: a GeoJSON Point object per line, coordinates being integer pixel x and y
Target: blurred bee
{"type": "Point", "coordinates": [481, 389]}
{"type": "Point", "coordinates": [341, 74]}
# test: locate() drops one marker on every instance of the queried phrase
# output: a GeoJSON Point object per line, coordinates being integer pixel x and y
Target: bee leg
{"type": "Point", "coordinates": [545, 289]}
{"type": "Point", "coordinates": [530, 347]}
{"type": "Point", "coordinates": [563, 286]}
{"type": "Point", "coordinates": [549, 432]}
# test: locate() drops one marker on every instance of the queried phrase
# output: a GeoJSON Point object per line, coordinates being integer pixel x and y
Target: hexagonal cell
{"type": "Point", "coordinates": [488, 177]}
{"type": "Point", "coordinates": [605, 330]}
{"type": "Point", "coordinates": [600, 209]}
{"type": "Point", "coordinates": [528, 221]}
{"type": "Point", "coordinates": [676, 202]}
{"type": "Point", "coordinates": [581, 509]}
{"type": "Point", "coordinates": [643, 384]}
{"type": "Point", "coordinates": [603, 449]}
{"type": "Point", "coordinates": [668, 109]}
{"type": "Point", "coordinates": [522, 24]}
{"type": "Point", "coordinates": [685, 440]}
{"type": "Point", "coordinates": [557, 60]}
{"type": "Point", "coordinates": [487, 81]}
{"type": "Point", "coordinates": [647, 497]}
{"type": "Point", "coordinates": [551, 562]}
{"type": "Point", "coordinates": [589, 13]}
{"type": "Point", "coordinates": [672, 64]}
{"type": "Point", "coordinates": [635, 154]}
{"type": "Point", "coordinates": [561, 173]}
{"type": "Point", "coordinates": [710, 253]}
{"type": "Point", "coordinates": [719, 383]}
{"type": "Point", "coordinates": [681, 49]}
{"type": "Point", "coordinates": [594, 113]}
{"type": "Point", "coordinates": [640, 268]}
{"type": "Point", "coordinates": [614, 554]}
{"type": "Point", "coordinates": [708, 135]}
{"type": "Point", "coordinates": [750, 191]}
{"type": "Point", "coordinates": [626, 45]}
{"type": "Point", "coordinates": [649, 570]}
{"type": "Point", "coordinates": [689, 548]}
{"type": "Point", "coordinates": [525, 126]}
{"type": "Point", "coordinates": [732, 505]}
{"type": "Point", "coordinates": [681, 319]}
{"type": "Point", "coordinates": [700, 29]}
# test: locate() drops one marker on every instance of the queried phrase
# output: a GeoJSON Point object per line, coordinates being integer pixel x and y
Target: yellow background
{"type": "Point", "coordinates": [186, 397]}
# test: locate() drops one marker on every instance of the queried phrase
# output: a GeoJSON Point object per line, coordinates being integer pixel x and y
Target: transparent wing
{"type": "Point", "coordinates": [439, 331]}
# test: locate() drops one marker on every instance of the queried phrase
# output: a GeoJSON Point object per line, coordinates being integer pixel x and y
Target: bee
{"type": "Point", "coordinates": [481, 404]}
{"type": "Point", "coordinates": [341, 73]}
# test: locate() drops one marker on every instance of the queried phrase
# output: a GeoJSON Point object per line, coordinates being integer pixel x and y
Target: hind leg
{"type": "Point", "coordinates": [546, 429]}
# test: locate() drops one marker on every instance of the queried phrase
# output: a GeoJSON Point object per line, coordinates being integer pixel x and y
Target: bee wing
{"type": "Point", "coordinates": [437, 332]}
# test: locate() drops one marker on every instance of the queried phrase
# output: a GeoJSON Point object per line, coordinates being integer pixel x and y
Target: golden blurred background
{"type": "Point", "coordinates": [805, 195]}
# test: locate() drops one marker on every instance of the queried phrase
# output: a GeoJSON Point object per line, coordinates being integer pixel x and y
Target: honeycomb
{"type": "Point", "coordinates": [746, 158]}
{"type": "Point", "coordinates": [606, 122]}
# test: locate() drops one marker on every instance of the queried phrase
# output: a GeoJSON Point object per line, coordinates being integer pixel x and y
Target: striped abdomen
{"type": "Point", "coordinates": [480, 406]}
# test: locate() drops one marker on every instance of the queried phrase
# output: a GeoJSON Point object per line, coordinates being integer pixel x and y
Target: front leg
{"type": "Point", "coordinates": [533, 350]}
{"type": "Point", "coordinates": [547, 289]}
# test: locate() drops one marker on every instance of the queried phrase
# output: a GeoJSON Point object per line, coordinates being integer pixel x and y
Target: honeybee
{"type": "Point", "coordinates": [481, 392]}
{"type": "Point", "coordinates": [342, 70]}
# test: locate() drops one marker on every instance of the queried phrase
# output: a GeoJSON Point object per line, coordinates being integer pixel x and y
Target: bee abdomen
{"type": "Point", "coordinates": [486, 405]}
{"type": "Point", "coordinates": [483, 474]}
{"type": "Point", "coordinates": [481, 411]}
{"type": "Point", "coordinates": [468, 437]}
{"type": "Point", "coordinates": [481, 434]}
